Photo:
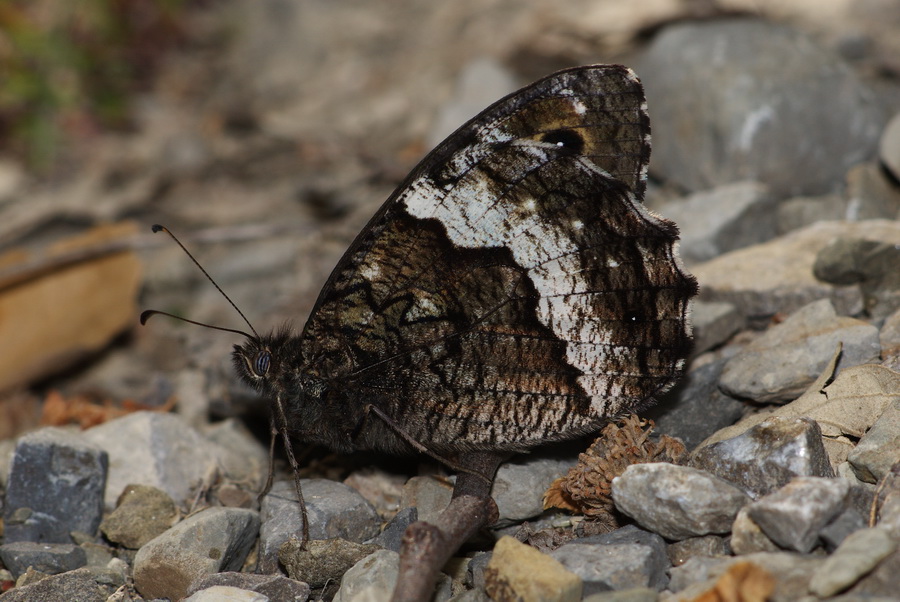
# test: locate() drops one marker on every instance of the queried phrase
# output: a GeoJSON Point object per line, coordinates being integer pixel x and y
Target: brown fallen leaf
{"type": "Point", "coordinates": [742, 582]}
{"type": "Point", "coordinates": [85, 412]}
{"type": "Point", "coordinates": [54, 313]}
{"type": "Point", "coordinates": [587, 487]}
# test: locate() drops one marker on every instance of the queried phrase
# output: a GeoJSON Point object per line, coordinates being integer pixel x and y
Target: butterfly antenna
{"type": "Point", "coordinates": [146, 315]}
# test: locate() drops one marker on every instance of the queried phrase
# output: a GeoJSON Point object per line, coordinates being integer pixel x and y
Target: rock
{"type": "Point", "coordinates": [723, 219]}
{"type": "Point", "coordinates": [680, 552]}
{"type": "Point", "coordinates": [240, 456]}
{"type": "Point", "coordinates": [213, 540]}
{"type": "Point", "coordinates": [49, 558]}
{"type": "Point", "coordinates": [695, 408]}
{"type": "Point", "coordinates": [869, 263]}
{"type": "Point", "coordinates": [748, 538]}
{"type": "Point", "coordinates": [889, 146]}
{"type": "Point", "coordinates": [794, 515]}
{"type": "Point", "coordinates": [880, 583]}
{"type": "Point", "coordinates": [677, 501]}
{"type": "Point", "coordinates": [428, 495]}
{"type": "Point", "coordinates": [392, 535]}
{"type": "Point", "coordinates": [142, 513]}
{"type": "Point", "coordinates": [274, 587]}
{"type": "Point", "coordinates": [859, 553]}
{"type": "Point", "coordinates": [767, 456]}
{"type": "Point", "coordinates": [73, 585]}
{"type": "Point", "coordinates": [519, 572]}
{"type": "Point", "coordinates": [624, 558]}
{"type": "Point", "coordinates": [870, 194]}
{"type": "Point", "coordinates": [879, 449]}
{"type": "Point", "coordinates": [746, 97]}
{"type": "Point", "coordinates": [846, 523]}
{"type": "Point", "coordinates": [475, 570]}
{"type": "Point", "coordinates": [790, 571]}
{"type": "Point", "coordinates": [713, 324]}
{"type": "Point", "coordinates": [225, 593]}
{"type": "Point", "coordinates": [634, 594]}
{"type": "Point", "coordinates": [787, 282]}
{"type": "Point", "coordinates": [788, 357]}
{"type": "Point", "coordinates": [374, 577]}
{"type": "Point", "coordinates": [55, 487]}
{"type": "Point", "coordinates": [152, 448]}
{"type": "Point", "coordinates": [798, 212]}
{"type": "Point", "coordinates": [520, 484]}
{"type": "Point", "coordinates": [334, 511]}
{"type": "Point", "coordinates": [321, 560]}
{"type": "Point", "coordinates": [889, 337]}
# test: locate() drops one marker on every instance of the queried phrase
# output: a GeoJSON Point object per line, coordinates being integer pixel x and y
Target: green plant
{"type": "Point", "coordinates": [68, 67]}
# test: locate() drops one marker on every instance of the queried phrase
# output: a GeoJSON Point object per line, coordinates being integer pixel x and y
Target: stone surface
{"type": "Point", "coordinates": [240, 456]}
{"type": "Point", "coordinates": [763, 102]}
{"type": "Point", "coordinates": [274, 587]}
{"type": "Point", "coordinates": [333, 509]}
{"type": "Point", "coordinates": [767, 456]}
{"type": "Point", "coordinates": [520, 485]}
{"type": "Point", "coordinates": [213, 540]}
{"type": "Point", "coordinates": [879, 449]}
{"type": "Point", "coordinates": [858, 554]}
{"type": "Point", "coordinates": [786, 283]}
{"type": "Point", "coordinates": [622, 559]}
{"type": "Point", "coordinates": [695, 408]}
{"type": "Point", "coordinates": [74, 585]}
{"type": "Point", "coordinates": [677, 502]}
{"type": "Point", "coordinates": [790, 571]}
{"type": "Point", "coordinates": [374, 577]}
{"type": "Point", "coordinates": [723, 219]}
{"type": "Point", "coordinates": [152, 448]}
{"type": "Point", "coordinates": [634, 594]}
{"type": "Point", "coordinates": [713, 324]}
{"type": "Point", "coordinates": [870, 193]}
{"type": "Point", "coordinates": [226, 593]}
{"type": "Point", "coordinates": [889, 146]}
{"type": "Point", "coordinates": [142, 513]}
{"type": "Point", "coordinates": [428, 495]}
{"type": "Point", "coordinates": [870, 264]}
{"type": "Point", "coordinates": [793, 516]}
{"type": "Point", "coordinates": [321, 560]}
{"type": "Point", "coordinates": [519, 572]}
{"type": "Point", "coordinates": [845, 524]}
{"type": "Point", "coordinates": [747, 537]}
{"type": "Point", "coordinates": [49, 558]}
{"type": "Point", "coordinates": [55, 487]}
{"type": "Point", "coordinates": [779, 365]}
{"type": "Point", "coordinates": [392, 535]}
{"type": "Point", "coordinates": [680, 552]}
{"type": "Point", "coordinates": [799, 212]}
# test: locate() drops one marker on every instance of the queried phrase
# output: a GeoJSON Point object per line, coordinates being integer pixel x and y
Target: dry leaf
{"type": "Point", "coordinates": [587, 487]}
{"type": "Point", "coordinates": [52, 314]}
{"type": "Point", "coordinates": [86, 413]}
{"type": "Point", "coordinates": [742, 582]}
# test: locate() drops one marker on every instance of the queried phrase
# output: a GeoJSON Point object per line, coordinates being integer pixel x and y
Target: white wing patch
{"type": "Point", "coordinates": [475, 218]}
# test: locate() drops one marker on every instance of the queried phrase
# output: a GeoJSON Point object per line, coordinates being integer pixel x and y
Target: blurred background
{"type": "Point", "coordinates": [266, 133]}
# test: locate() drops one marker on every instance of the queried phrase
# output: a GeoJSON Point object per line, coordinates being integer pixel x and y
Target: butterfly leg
{"type": "Point", "coordinates": [426, 547]}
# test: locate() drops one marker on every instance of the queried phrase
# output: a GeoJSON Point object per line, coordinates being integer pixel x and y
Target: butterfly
{"type": "Point", "coordinates": [513, 291]}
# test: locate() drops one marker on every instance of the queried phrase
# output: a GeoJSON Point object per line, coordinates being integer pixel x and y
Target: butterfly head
{"type": "Point", "coordinates": [268, 363]}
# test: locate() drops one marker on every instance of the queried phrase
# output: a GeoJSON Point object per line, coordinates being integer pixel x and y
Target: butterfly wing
{"type": "Point", "coordinates": [513, 290]}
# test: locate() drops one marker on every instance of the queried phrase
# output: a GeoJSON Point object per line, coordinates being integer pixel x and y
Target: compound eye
{"type": "Point", "coordinates": [262, 363]}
